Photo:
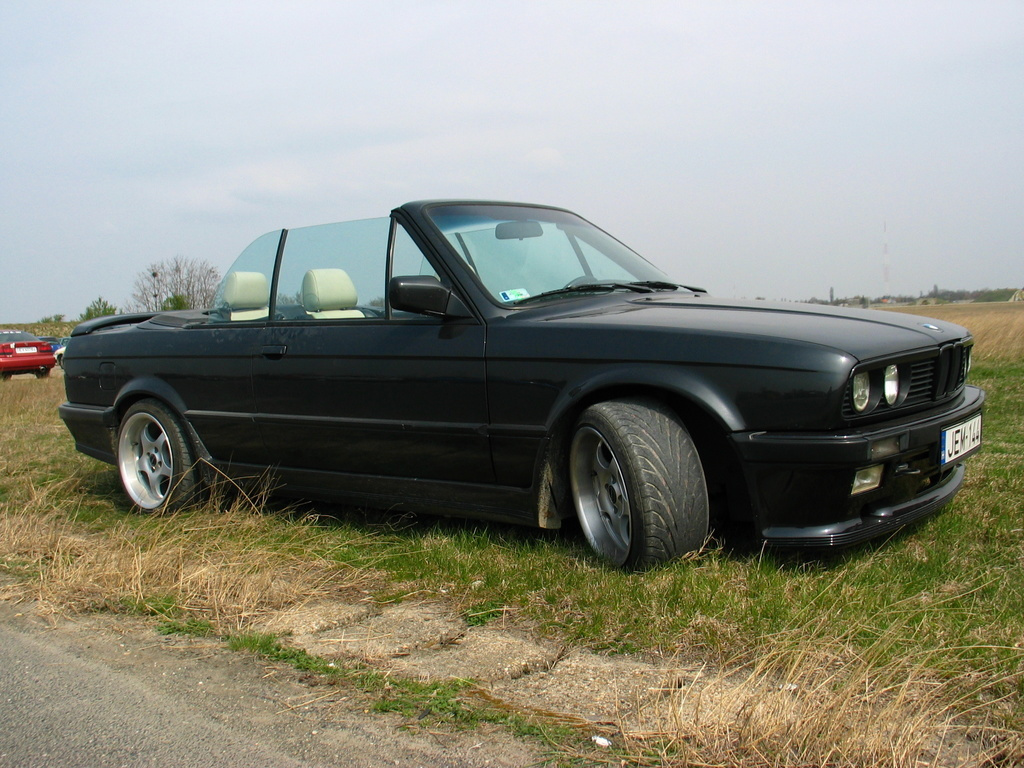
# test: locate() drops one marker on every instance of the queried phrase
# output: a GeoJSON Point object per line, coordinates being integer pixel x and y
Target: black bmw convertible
{"type": "Point", "coordinates": [514, 362]}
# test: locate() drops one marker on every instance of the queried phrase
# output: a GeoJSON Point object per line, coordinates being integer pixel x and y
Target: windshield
{"type": "Point", "coordinates": [520, 253]}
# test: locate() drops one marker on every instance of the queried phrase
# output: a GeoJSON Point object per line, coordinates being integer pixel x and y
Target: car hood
{"type": "Point", "coordinates": [862, 334]}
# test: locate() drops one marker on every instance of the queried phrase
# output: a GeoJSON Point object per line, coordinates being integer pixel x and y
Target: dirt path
{"type": "Point", "coordinates": [222, 701]}
{"type": "Point", "coordinates": [108, 690]}
{"type": "Point", "coordinates": [104, 691]}
{"type": "Point", "coordinates": [512, 668]}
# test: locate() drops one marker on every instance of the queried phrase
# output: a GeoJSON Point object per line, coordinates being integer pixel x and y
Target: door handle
{"type": "Point", "coordinates": [275, 352]}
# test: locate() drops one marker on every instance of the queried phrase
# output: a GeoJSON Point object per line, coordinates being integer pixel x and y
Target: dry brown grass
{"type": "Point", "coordinates": [998, 327]}
{"type": "Point", "coordinates": [229, 564]}
{"type": "Point", "coordinates": [816, 703]}
{"type": "Point", "coordinates": [219, 568]}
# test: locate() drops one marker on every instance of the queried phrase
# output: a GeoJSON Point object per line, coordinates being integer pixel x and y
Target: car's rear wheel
{"type": "Point", "coordinates": [637, 483]}
{"type": "Point", "coordinates": [155, 459]}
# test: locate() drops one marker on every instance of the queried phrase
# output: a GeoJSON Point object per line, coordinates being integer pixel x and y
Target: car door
{"type": "Point", "coordinates": [343, 385]}
{"type": "Point", "coordinates": [212, 376]}
{"type": "Point", "coordinates": [207, 364]}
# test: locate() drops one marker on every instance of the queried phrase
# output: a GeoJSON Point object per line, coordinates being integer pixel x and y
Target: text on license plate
{"type": "Point", "coordinates": [23, 350]}
{"type": "Point", "coordinates": [961, 439]}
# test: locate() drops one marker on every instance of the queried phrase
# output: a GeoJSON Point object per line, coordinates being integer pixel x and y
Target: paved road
{"type": "Point", "coordinates": [82, 694]}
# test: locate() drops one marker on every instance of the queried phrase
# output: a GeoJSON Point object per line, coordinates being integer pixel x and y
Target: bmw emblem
{"type": "Point", "coordinates": [930, 327]}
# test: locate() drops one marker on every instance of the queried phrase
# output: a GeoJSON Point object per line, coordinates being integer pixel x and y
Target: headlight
{"type": "Point", "coordinates": [891, 384]}
{"type": "Point", "coordinates": [861, 391]}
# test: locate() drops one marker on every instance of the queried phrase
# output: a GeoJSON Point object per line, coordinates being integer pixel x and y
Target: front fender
{"type": "Point", "coordinates": [674, 380]}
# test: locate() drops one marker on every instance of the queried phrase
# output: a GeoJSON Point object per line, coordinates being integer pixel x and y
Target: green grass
{"type": "Point", "coordinates": [957, 573]}
{"type": "Point", "coordinates": [190, 627]}
{"type": "Point", "coordinates": [722, 602]}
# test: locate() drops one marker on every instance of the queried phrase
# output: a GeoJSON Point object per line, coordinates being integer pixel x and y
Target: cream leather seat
{"type": "Point", "coordinates": [328, 294]}
{"type": "Point", "coordinates": [247, 295]}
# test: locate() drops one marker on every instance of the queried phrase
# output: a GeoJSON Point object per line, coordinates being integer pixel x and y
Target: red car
{"type": "Point", "coordinates": [22, 352]}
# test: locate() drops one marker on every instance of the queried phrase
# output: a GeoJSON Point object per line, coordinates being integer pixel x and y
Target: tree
{"type": "Point", "coordinates": [179, 283]}
{"type": "Point", "coordinates": [177, 301]}
{"type": "Point", "coordinates": [99, 308]}
{"type": "Point", "coordinates": [52, 319]}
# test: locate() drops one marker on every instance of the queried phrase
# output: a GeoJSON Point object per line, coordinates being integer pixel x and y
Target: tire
{"type": "Point", "coordinates": [155, 458]}
{"type": "Point", "coordinates": [637, 483]}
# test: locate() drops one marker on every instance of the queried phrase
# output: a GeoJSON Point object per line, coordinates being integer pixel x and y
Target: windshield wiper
{"type": "Point", "coordinates": [639, 286]}
{"type": "Point", "coordinates": [589, 288]}
{"type": "Point", "coordinates": [659, 285]}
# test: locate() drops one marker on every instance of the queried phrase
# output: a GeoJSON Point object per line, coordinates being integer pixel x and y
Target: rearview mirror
{"type": "Point", "coordinates": [517, 230]}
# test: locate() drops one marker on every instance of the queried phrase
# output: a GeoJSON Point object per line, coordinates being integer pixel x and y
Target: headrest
{"type": "Point", "coordinates": [327, 289]}
{"type": "Point", "coordinates": [246, 290]}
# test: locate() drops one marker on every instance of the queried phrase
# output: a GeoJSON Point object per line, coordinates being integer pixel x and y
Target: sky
{"type": "Point", "coordinates": [756, 149]}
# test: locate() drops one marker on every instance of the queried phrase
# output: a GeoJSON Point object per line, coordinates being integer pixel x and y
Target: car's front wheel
{"type": "Point", "coordinates": [637, 483]}
{"type": "Point", "coordinates": [154, 458]}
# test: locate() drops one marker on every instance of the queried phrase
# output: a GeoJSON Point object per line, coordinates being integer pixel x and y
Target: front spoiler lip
{"type": "Point", "coordinates": [879, 523]}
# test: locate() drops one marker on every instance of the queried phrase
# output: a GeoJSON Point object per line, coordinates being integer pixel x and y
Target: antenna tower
{"type": "Point", "coordinates": [885, 258]}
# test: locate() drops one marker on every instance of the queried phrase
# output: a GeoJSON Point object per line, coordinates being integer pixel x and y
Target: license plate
{"type": "Point", "coordinates": [25, 350]}
{"type": "Point", "coordinates": [961, 439]}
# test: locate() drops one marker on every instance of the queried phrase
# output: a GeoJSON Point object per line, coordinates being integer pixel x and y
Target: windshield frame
{"type": "Point", "coordinates": [493, 227]}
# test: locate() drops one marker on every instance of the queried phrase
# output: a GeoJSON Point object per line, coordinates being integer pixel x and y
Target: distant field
{"type": "Point", "coordinates": [997, 327]}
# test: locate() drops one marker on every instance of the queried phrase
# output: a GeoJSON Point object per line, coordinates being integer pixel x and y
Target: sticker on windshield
{"type": "Point", "coordinates": [516, 294]}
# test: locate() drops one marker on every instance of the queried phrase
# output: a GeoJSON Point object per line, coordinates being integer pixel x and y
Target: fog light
{"type": "Point", "coordinates": [867, 479]}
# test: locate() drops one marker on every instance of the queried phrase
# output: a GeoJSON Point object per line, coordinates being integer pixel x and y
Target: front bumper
{"type": "Point", "coordinates": [800, 483]}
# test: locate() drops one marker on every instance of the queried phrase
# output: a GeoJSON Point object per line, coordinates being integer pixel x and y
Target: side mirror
{"type": "Point", "coordinates": [424, 295]}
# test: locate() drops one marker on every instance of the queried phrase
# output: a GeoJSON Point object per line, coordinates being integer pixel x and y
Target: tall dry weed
{"type": "Point", "coordinates": [231, 568]}
{"type": "Point", "coordinates": [229, 563]}
{"type": "Point", "coordinates": [808, 700]}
